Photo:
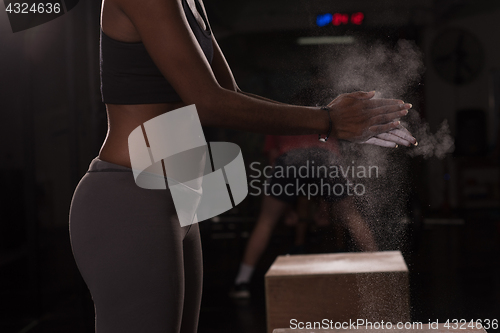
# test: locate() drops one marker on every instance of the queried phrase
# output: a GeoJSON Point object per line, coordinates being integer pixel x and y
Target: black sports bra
{"type": "Point", "coordinates": [129, 75]}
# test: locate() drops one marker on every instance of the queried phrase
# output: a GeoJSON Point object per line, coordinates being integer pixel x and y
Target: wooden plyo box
{"type": "Point", "coordinates": [425, 328]}
{"type": "Point", "coordinates": [338, 287]}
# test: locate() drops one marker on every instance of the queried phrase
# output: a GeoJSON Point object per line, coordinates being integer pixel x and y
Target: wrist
{"type": "Point", "coordinates": [325, 135]}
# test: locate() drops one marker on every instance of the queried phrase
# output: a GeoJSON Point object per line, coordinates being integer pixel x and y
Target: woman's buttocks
{"type": "Point", "coordinates": [108, 191]}
{"type": "Point", "coordinates": [109, 211]}
{"type": "Point", "coordinates": [128, 246]}
{"type": "Point", "coordinates": [122, 120]}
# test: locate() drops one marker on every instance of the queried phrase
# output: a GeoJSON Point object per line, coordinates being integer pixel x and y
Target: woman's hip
{"type": "Point", "coordinates": [109, 213]}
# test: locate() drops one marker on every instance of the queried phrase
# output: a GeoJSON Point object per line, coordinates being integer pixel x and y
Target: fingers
{"type": "Point", "coordinates": [393, 138]}
{"type": "Point", "coordinates": [380, 102]}
{"type": "Point", "coordinates": [387, 117]}
{"type": "Point", "coordinates": [360, 110]}
{"type": "Point", "coordinates": [404, 134]}
{"type": "Point", "coordinates": [378, 129]}
{"type": "Point", "coordinates": [390, 108]}
{"type": "Point", "coordinates": [380, 142]}
{"type": "Point", "coordinates": [404, 130]}
{"type": "Point", "coordinates": [362, 94]}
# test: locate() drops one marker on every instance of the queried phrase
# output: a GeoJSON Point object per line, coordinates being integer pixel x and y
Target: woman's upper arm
{"type": "Point", "coordinates": [165, 32]}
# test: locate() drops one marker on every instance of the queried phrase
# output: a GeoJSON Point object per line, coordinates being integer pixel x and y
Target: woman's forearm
{"type": "Point", "coordinates": [229, 109]}
{"type": "Point", "coordinates": [259, 97]}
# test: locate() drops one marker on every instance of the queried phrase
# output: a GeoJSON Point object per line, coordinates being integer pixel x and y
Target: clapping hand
{"type": "Point", "coordinates": [358, 117]}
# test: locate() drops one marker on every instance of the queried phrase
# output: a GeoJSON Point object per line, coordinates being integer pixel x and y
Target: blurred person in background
{"type": "Point", "coordinates": [299, 152]}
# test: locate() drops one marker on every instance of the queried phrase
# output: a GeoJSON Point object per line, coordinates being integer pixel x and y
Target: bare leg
{"type": "Point", "coordinates": [356, 224]}
{"type": "Point", "coordinates": [272, 210]}
{"type": "Point", "coordinates": [291, 217]}
{"type": "Point", "coordinates": [301, 227]}
{"type": "Point", "coordinates": [321, 217]}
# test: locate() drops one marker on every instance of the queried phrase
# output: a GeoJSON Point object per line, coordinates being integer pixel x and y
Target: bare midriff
{"type": "Point", "coordinates": [122, 120]}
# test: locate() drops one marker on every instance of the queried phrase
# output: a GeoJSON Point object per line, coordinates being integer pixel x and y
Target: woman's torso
{"type": "Point", "coordinates": [123, 118]}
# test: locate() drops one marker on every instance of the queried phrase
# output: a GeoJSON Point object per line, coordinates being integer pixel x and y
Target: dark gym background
{"type": "Point", "coordinates": [53, 123]}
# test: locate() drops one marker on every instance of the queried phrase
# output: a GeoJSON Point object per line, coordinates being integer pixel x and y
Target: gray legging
{"type": "Point", "coordinates": [143, 270]}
